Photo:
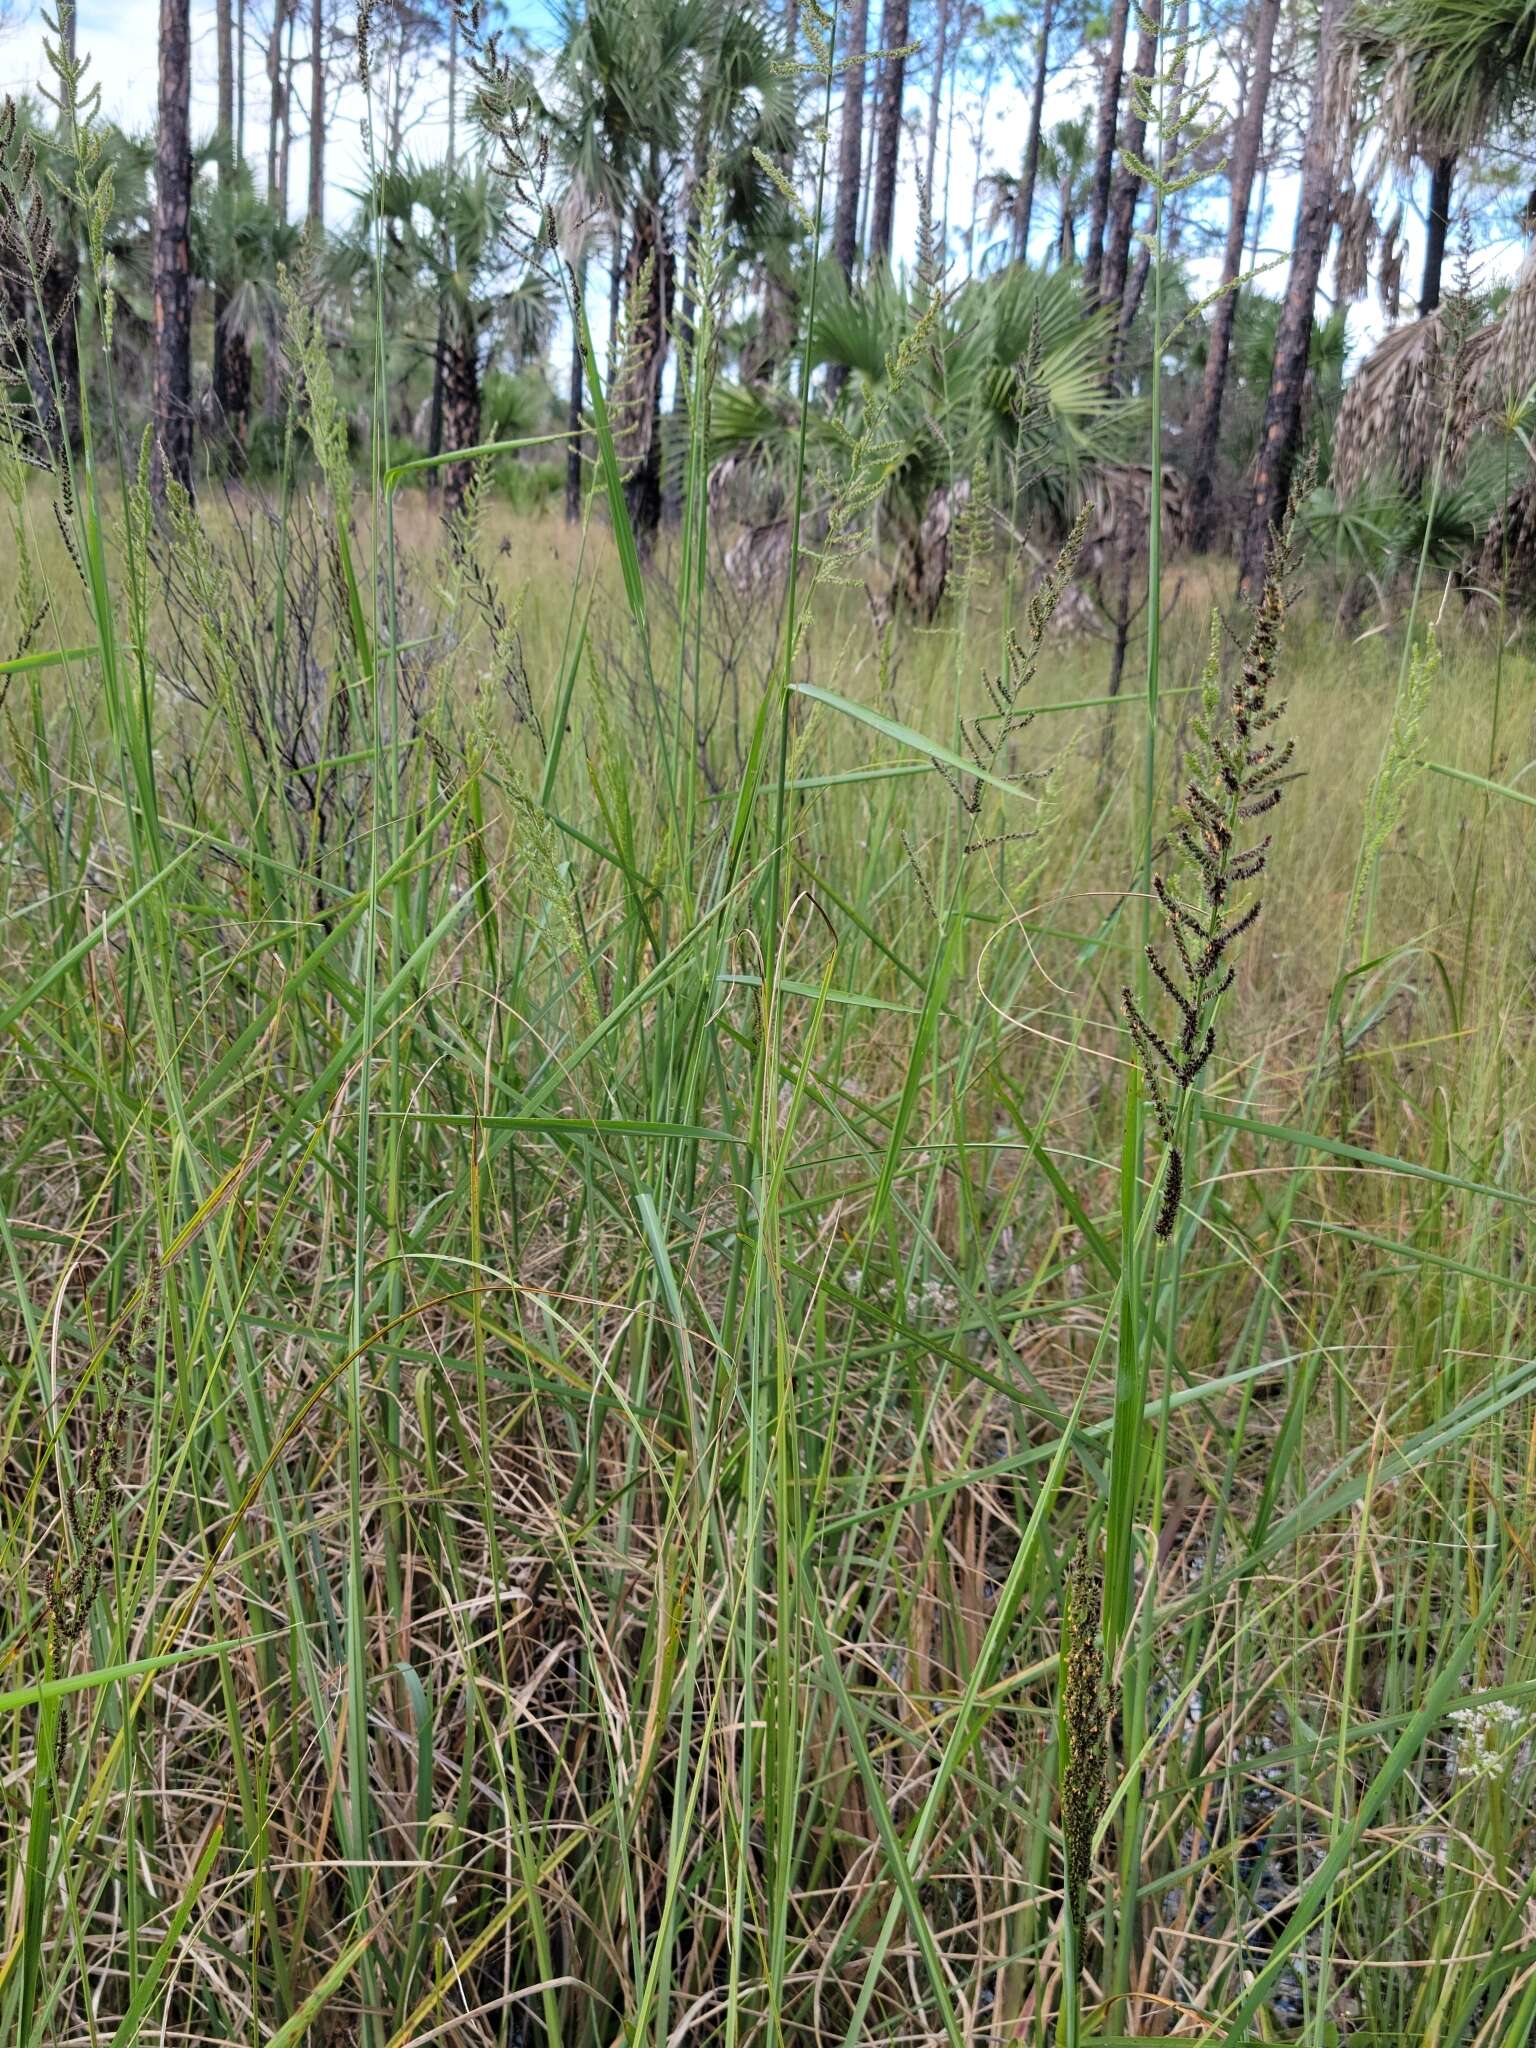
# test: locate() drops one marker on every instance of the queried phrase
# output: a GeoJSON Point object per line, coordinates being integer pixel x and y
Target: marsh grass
{"type": "Point", "coordinates": [573, 1545]}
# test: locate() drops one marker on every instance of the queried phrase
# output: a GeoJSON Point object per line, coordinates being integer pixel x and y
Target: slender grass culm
{"type": "Point", "coordinates": [1082, 1717]}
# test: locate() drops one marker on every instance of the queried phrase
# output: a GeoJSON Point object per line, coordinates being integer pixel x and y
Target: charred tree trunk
{"type": "Point", "coordinates": [316, 210]}
{"type": "Point", "coordinates": [1280, 440]}
{"type": "Point", "coordinates": [172, 254]}
{"type": "Point", "coordinates": [1024, 203]}
{"type": "Point", "coordinates": [461, 405]}
{"type": "Point", "coordinates": [1442, 177]}
{"type": "Point", "coordinates": [235, 399]}
{"type": "Point", "coordinates": [893, 36]}
{"type": "Point", "coordinates": [638, 402]}
{"type": "Point", "coordinates": [1127, 187]}
{"type": "Point", "coordinates": [1245, 157]}
{"type": "Point", "coordinates": [1104, 145]}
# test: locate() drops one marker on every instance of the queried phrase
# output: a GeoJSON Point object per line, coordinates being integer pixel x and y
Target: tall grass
{"type": "Point", "coordinates": [579, 1291]}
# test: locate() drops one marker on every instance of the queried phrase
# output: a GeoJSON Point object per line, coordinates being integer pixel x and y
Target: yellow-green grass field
{"type": "Point", "coordinates": [577, 1269]}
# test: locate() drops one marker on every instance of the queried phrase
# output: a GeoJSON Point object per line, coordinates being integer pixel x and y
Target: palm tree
{"type": "Point", "coordinates": [238, 243]}
{"type": "Point", "coordinates": [1450, 71]}
{"type": "Point", "coordinates": [651, 90]}
{"type": "Point", "coordinates": [1022, 397]}
{"type": "Point", "coordinates": [1064, 157]}
{"type": "Point", "coordinates": [444, 245]}
{"type": "Point", "coordinates": [173, 258]}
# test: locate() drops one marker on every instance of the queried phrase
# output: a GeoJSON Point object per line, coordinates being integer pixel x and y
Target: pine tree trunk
{"type": "Point", "coordinates": [1104, 145]}
{"type": "Point", "coordinates": [224, 39]}
{"type": "Point", "coordinates": [1441, 180]}
{"type": "Point", "coordinates": [461, 406]}
{"type": "Point", "coordinates": [225, 43]}
{"type": "Point", "coordinates": [316, 210]}
{"type": "Point", "coordinates": [172, 254]}
{"type": "Point", "coordinates": [850, 140]}
{"type": "Point", "coordinates": [867, 181]}
{"type": "Point", "coordinates": [1247, 148]}
{"type": "Point", "coordinates": [1280, 441]}
{"type": "Point", "coordinates": [893, 35]}
{"type": "Point", "coordinates": [275, 101]}
{"type": "Point", "coordinates": [1024, 203]}
{"type": "Point", "coordinates": [285, 150]}
{"type": "Point", "coordinates": [240, 81]}
{"type": "Point", "coordinates": [1127, 187]}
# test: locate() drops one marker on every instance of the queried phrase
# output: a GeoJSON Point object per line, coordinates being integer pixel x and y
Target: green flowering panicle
{"type": "Point", "coordinates": [1402, 762]}
{"type": "Point", "coordinates": [1240, 773]}
{"type": "Point", "coordinates": [324, 421]}
{"type": "Point", "coordinates": [975, 532]}
{"type": "Point", "coordinates": [502, 623]}
{"type": "Point", "coordinates": [1084, 1713]}
{"type": "Point", "coordinates": [985, 741]}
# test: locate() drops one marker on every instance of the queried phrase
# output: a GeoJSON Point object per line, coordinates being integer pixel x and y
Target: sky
{"type": "Point", "coordinates": [121, 37]}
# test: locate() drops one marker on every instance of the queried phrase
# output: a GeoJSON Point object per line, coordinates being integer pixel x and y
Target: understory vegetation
{"type": "Point", "coordinates": [754, 1296]}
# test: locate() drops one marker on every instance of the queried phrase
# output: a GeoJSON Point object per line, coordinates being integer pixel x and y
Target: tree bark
{"type": "Point", "coordinates": [1442, 176]}
{"type": "Point", "coordinates": [1127, 187]}
{"type": "Point", "coordinates": [172, 254]}
{"type": "Point", "coordinates": [850, 150]}
{"type": "Point", "coordinates": [893, 35]}
{"type": "Point", "coordinates": [316, 210]}
{"type": "Point", "coordinates": [1024, 201]}
{"type": "Point", "coordinates": [275, 110]}
{"type": "Point", "coordinates": [240, 81]}
{"type": "Point", "coordinates": [285, 152]}
{"type": "Point", "coordinates": [224, 38]}
{"type": "Point", "coordinates": [225, 43]}
{"type": "Point", "coordinates": [1247, 148]}
{"type": "Point", "coordinates": [1104, 145]}
{"type": "Point", "coordinates": [1280, 440]}
{"type": "Point", "coordinates": [461, 405]}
